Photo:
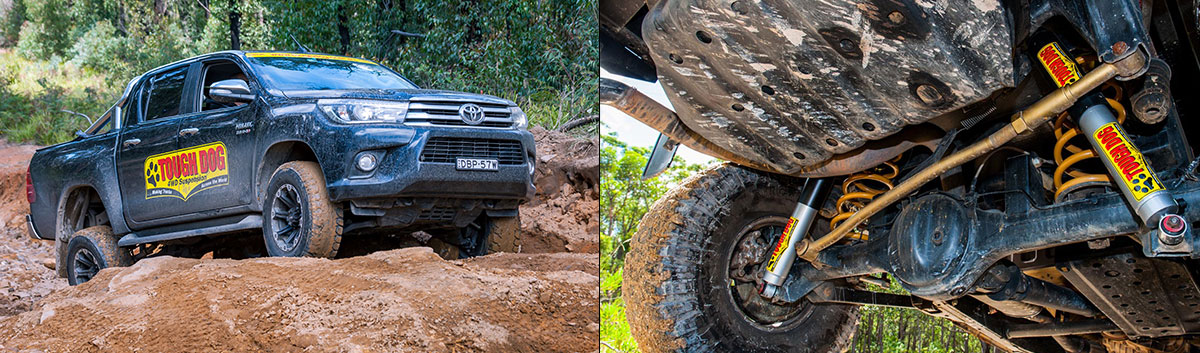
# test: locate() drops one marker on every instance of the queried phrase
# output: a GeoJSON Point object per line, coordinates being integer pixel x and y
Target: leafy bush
{"type": "Point", "coordinates": [34, 94]}
{"type": "Point", "coordinates": [540, 54]}
{"type": "Point", "coordinates": [12, 15]}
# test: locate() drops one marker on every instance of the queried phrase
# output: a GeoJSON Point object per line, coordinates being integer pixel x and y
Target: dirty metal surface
{"type": "Point", "coordinates": [791, 83]}
{"type": "Point", "coordinates": [1145, 297]}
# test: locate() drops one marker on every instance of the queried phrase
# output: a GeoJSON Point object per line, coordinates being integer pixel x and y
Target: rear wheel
{"type": "Point", "coordinates": [93, 249]}
{"type": "Point", "coordinates": [298, 217]}
{"type": "Point", "coordinates": [694, 267]}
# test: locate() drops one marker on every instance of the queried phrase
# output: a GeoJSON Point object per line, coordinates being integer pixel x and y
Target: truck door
{"type": "Point", "coordinates": [149, 187]}
{"type": "Point", "coordinates": [222, 136]}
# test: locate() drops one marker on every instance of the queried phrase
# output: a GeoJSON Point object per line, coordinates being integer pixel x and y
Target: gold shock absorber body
{"type": "Point", "coordinates": [859, 189]}
{"type": "Point", "coordinates": [1067, 176]}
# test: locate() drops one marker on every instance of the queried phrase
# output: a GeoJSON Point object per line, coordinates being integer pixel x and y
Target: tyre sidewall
{"type": "Point", "coordinates": [676, 277]}
{"type": "Point", "coordinates": [87, 239]}
{"type": "Point", "coordinates": [287, 176]}
{"type": "Point", "coordinates": [733, 328]}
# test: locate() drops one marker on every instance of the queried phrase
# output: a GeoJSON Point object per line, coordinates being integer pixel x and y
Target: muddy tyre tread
{"type": "Point", "coordinates": [106, 242]}
{"type": "Point", "coordinates": [504, 235]}
{"type": "Point", "coordinates": [327, 217]}
{"type": "Point", "coordinates": [660, 276]}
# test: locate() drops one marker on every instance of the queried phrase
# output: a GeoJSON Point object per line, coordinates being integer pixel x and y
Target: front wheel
{"type": "Point", "coordinates": [694, 268]}
{"type": "Point", "coordinates": [298, 217]}
{"type": "Point", "coordinates": [93, 249]}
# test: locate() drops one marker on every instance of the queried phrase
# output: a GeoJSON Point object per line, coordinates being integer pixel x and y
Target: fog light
{"type": "Point", "coordinates": [366, 162]}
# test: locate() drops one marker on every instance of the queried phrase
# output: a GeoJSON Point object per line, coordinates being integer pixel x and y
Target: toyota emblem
{"type": "Point", "coordinates": [471, 114]}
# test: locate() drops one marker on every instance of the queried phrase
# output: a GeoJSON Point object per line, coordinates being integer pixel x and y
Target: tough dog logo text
{"type": "Point", "coordinates": [1127, 160]}
{"type": "Point", "coordinates": [1058, 65]}
{"type": "Point", "coordinates": [183, 173]}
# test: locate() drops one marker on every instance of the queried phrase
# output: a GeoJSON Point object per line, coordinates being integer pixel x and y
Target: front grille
{"type": "Point", "coordinates": [448, 150]}
{"type": "Point", "coordinates": [446, 113]}
{"type": "Point", "coordinates": [437, 214]}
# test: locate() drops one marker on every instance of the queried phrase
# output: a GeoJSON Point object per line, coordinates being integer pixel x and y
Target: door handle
{"type": "Point", "coordinates": [131, 142]}
{"type": "Point", "coordinates": [189, 131]}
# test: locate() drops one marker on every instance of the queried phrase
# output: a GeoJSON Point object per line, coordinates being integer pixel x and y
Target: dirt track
{"type": "Point", "coordinates": [543, 299]}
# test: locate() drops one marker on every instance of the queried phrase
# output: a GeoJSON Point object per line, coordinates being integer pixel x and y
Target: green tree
{"type": "Point", "coordinates": [624, 198]}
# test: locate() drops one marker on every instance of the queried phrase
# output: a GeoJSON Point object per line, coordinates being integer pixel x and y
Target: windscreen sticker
{"type": "Point", "coordinates": [782, 245]}
{"type": "Point", "coordinates": [1058, 64]}
{"type": "Point", "coordinates": [308, 56]}
{"type": "Point", "coordinates": [1137, 176]}
{"type": "Point", "coordinates": [183, 173]}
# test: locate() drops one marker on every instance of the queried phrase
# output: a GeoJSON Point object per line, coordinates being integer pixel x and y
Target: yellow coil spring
{"type": "Point", "coordinates": [859, 189]}
{"type": "Point", "coordinates": [1064, 131]}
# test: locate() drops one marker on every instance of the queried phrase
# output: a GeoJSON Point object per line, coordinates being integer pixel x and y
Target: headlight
{"type": "Point", "coordinates": [364, 111]}
{"type": "Point", "coordinates": [518, 117]}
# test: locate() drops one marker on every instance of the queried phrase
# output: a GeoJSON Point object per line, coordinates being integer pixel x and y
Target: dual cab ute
{"type": "Point", "coordinates": [305, 147]}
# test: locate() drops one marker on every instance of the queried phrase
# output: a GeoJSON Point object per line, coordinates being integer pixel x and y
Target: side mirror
{"type": "Point", "coordinates": [230, 91]}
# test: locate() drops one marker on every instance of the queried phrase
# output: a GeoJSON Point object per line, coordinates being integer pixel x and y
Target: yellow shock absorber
{"type": "Point", "coordinates": [860, 188]}
{"type": "Point", "coordinates": [1064, 131]}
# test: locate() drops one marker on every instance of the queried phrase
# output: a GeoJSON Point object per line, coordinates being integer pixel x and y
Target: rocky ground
{"type": "Point", "coordinates": [542, 299]}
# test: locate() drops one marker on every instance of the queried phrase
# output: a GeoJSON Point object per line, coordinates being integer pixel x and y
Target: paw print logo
{"type": "Point", "coordinates": [1143, 183]}
{"type": "Point", "coordinates": [152, 174]}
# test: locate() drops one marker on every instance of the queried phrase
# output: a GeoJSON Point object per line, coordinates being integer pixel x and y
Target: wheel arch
{"type": "Point", "coordinates": [276, 155]}
{"type": "Point", "coordinates": [68, 208]}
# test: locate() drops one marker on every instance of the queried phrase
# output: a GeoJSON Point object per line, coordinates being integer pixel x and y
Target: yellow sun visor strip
{"type": "Point", "coordinates": [307, 56]}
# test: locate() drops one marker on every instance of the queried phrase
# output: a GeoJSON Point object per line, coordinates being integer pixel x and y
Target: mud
{"type": "Point", "coordinates": [397, 300]}
{"type": "Point", "coordinates": [565, 214]}
{"type": "Point", "coordinates": [27, 276]}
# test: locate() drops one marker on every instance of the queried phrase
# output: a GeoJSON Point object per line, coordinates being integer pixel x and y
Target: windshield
{"type": "Point", "coordinates": [302, 72]}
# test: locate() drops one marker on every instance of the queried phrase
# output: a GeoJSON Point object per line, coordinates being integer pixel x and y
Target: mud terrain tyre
{"type": "Point", "coordinates": [504, 234]}
{"type": "Point", "coordinates": [91, 250]}
{"type": "Point", "coordinates": [298, 217]}
{"type": "Point", "coordinates": [679, 281]}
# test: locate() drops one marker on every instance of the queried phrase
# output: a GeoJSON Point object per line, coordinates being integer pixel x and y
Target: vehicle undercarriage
{"type": "Point", "coordinates": [1021, 168]}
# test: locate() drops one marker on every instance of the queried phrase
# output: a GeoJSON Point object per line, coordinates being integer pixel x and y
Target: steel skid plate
{"type": "Point", "coordinates": [791, 83]}
{"type": "Point", "coordinates": [1145, 297]}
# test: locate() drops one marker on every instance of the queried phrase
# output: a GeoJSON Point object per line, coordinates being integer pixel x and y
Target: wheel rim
{"type": "Point", "coordinates": [746, 259]}
{"type": "Point", "coordinates": [86, 265]}
{"type": "Point", "coordinates": [286, 217]}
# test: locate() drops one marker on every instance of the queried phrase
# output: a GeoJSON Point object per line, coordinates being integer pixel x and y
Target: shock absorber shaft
{"type": "Point", "coordinates": [802, 218]}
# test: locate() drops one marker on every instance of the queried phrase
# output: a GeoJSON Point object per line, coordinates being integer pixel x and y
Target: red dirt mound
{"type": "Point", "coordinates": [399, 300]}
{"type": "Point", "coordinates": [565, 214]}
{"type": "Point", "coordinates": [25, 278]}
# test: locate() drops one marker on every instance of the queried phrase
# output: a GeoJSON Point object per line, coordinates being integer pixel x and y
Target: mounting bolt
{"type": "Point", "coordinates": [1171, 229]}
{"type": "Point", "coordinates": [1119, 48]}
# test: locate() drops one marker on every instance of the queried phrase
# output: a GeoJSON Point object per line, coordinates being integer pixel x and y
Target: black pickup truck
{"type": "Point", "coordinates": [304, 147]}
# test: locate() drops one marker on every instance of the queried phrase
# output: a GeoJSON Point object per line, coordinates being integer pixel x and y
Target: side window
{"type": "Point", "coordinates": [165, 91]}
{"type": "Point", "coordinates": [132, 107]}
{"type": "Point", "coordinates": [219, 71]}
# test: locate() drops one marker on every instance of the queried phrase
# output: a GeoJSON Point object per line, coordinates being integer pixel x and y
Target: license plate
{"type": "Point", "coordinates": [477, 164]}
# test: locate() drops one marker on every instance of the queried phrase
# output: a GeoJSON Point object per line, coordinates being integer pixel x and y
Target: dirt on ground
{"type": "Point", "coordinates": [544, 299]}
{"type": "Point", "coordinates": [565, 215]}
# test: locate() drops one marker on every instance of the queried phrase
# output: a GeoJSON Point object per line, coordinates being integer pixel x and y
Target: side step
{"type": "Point", "coordinates": [246, 223]}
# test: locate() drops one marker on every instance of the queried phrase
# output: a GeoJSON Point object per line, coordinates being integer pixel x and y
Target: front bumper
{"type": "Point", "coordinates": [401, 173]}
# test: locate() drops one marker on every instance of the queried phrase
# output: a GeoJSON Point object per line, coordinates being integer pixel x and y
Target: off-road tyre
{"type": "Point", "coordinates": [677, 282]}
{"type": "Point", "coordinates": [320, 220]}
{"type": "Point", "coordinates": [504, 234]}
{"type": "Point", "coordinates": [95, 245]}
